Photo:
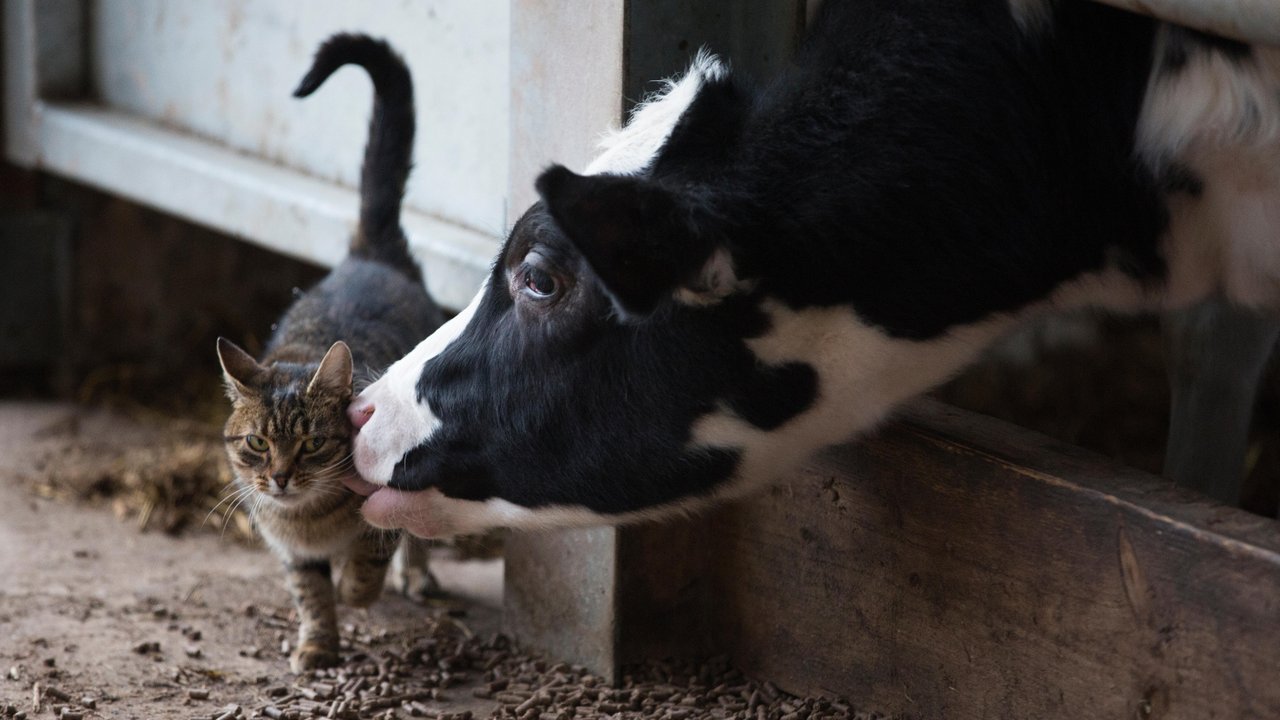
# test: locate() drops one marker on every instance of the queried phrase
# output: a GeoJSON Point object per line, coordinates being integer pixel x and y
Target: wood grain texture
{"type": "Point", "coordinates": [957, 567]}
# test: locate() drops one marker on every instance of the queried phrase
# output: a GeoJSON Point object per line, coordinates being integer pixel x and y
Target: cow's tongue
{"type": "Point", "coordinates": [359, 485]}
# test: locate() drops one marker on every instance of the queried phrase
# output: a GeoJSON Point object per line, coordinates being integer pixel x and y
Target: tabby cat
{"type": "Point", "coordinates": [288, 437]}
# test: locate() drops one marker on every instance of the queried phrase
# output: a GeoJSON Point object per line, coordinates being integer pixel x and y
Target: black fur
{"type": "Point", "coordinates": [924, 164]}
{"type": "Point", "coordinates": [388, 153]}
{"type": "Point", "coordinates": [374, 300]}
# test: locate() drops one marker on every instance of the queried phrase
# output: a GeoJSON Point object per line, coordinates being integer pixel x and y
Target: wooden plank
{"type": "Point", "coordinates": [955, 566]}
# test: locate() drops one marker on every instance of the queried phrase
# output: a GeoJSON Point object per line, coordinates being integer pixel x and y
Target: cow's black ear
{"type": "Point", "coordinates": [642, 239]}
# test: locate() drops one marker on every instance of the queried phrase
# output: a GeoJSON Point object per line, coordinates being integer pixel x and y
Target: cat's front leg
{"type": "Point", "coordinates": [365, 569]}
{"type": "Point", "coordinates": [311, 586]}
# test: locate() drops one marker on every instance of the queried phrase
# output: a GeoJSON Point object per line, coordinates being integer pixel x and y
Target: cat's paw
{"type": "Point", "coordinates": [312, 656]}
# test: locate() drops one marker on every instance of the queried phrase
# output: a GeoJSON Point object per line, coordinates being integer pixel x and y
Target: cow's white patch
{"type": "Point", "coordinates": [716, 281]}
{"type": "Point", "coordinates": [1219, 118]}
{"type": "Point", "coordinates": [399, 423]}
{"type": "Point", "coordinates": [1213, 102]}
{"type": "Point", "coordinates": [630, 150]}
{"type": "Point", "coordinates": [862, 375]}
{"type": "Point", "coordinates": [633, 148]}
{"type": "Point", "coordinates": [1110, 289]}
{"type": "Point", "coordinates": [1227, 240]}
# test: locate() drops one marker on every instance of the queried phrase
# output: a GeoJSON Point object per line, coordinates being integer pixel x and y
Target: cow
{"type": "Point", "coordinates": [745, 275]}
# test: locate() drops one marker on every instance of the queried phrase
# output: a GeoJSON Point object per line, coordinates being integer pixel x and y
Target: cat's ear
{"type": "Point", "coordinates": [238, 368]}
{"type": "Point", "coordinates": [334, 373]}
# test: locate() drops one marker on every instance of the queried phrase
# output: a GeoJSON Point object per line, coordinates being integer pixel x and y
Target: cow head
{"type": "Point", "coordinates": [627, 357]}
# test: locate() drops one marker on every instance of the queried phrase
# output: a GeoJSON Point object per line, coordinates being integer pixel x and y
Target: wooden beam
{"type": "Point", "coordinates": [956, 566]}
{"type": "Point", "coordinates": [603, 597]}
{"type": "Point", "coordinates": [560, 587]}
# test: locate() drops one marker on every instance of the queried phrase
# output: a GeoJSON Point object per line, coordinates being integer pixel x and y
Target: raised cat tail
{"type": "Point", "coordinates": [388, 154]}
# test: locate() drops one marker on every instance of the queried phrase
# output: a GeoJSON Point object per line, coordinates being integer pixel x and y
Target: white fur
{"type": "Point", "coordinates": [400, 423]}
{"type": "Point", "coordinates": [862, 375]}
{"type": "Point", "coordinates": [716, 281]}
{"type": "Point", "coordinates": [1206, 104]}
{"type": "Point", "coordinates": [1221, 119]}
{"type": "Point", "coordinates": [630, 150]}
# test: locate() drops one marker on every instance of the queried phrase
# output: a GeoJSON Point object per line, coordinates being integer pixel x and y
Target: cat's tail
{"type": "Point", "coordinates": [388, 154]}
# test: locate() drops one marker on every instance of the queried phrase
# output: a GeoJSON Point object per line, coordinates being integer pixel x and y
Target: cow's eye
{"type": "Point", "coordinates": [538, 279]}
{"type": "Point", "coordinates": [539, 283]}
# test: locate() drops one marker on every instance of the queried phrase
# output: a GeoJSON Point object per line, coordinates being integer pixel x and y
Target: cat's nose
{"type": "Point", "coordinates": [360, 411]}
{"type": "Point", "coordinates": [281, 479]}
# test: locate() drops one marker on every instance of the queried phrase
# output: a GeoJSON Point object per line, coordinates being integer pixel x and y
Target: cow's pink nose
{"type": "Point", "coordinates": [360, 411]}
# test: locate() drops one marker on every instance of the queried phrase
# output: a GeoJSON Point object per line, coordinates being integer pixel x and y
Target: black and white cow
{"type": "Point", "coordinates": [746, 275]}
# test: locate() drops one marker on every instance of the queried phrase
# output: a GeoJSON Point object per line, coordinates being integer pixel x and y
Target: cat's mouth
{"type": "Point", "coordinates": [285, 497]}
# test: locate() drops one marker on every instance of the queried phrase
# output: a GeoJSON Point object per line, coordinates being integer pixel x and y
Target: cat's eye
{"type": "Point", "coordinates": [257, 443]}
{"type": "Point", "coordinates": [311, 445]}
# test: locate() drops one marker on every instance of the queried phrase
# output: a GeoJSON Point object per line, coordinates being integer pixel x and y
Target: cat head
{"type": "Point", "coordinates": [288, 437]}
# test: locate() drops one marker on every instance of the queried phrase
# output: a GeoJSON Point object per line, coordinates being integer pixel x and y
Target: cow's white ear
{"type": "Point", "coordinates": [643, 240]}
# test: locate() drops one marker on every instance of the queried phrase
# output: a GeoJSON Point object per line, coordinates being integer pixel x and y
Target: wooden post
{"type": "Point", "coordinates": [602, 597]}
{"type": "Point", "coordinates": [566, 81]}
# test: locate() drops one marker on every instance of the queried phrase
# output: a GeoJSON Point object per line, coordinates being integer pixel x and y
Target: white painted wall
{"type": "Point", "coordinates": [187, 107]}
{"type": "Point", "coordinates": [226, 70]}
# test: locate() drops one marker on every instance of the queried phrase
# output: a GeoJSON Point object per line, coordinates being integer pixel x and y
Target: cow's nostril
{"type": "Point", "coordinates": [360, 412]}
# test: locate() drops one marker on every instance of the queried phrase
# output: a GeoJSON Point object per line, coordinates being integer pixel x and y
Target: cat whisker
{"type": "Point", "coordinates": [230, 497]}
{"type": "Point", "coordinates": [250, 492]}
{"type": "Point", "coordinates": [231, 511]}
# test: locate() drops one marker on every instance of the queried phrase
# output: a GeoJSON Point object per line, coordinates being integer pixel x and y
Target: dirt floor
{"type": "Point", "coordinates": [104, 614]}
{"type": "Point", "coordinates": [85, 593]}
